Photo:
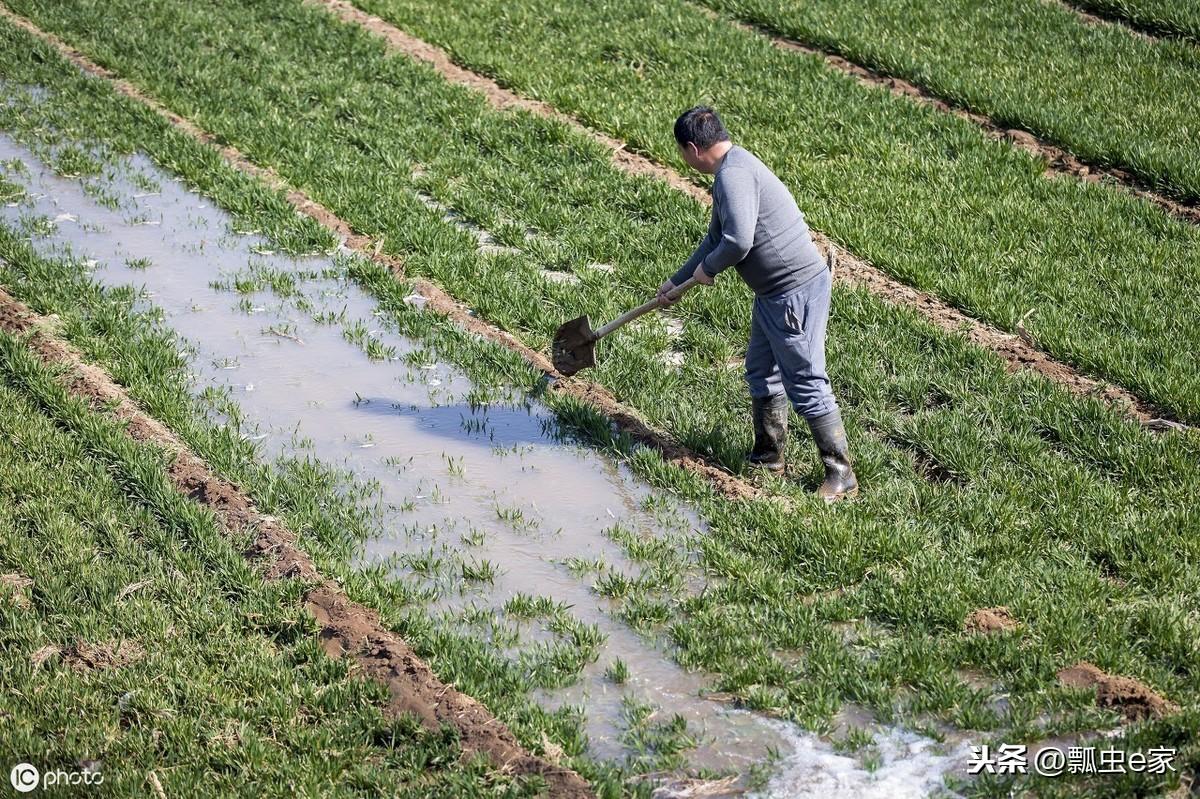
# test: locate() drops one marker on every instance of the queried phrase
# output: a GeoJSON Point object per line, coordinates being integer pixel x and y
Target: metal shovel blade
{"type": "Point", "coordinates": [574, 347]}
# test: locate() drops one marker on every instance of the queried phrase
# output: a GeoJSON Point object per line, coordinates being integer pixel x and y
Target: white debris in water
{"type": "Point", "coordinates": [416, 300]}
{"type": "Point", "coordinates": [249, 386]}
{"type": "Point", "coordinates": [65, 218]}
{"type": "Point", "coordinates": [910, 766]}
{"type": "Point", "coordinates": [560, 277]}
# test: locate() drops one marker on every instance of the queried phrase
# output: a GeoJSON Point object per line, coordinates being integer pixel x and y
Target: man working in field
{"type": "Point", "coordinates": [757, 228]}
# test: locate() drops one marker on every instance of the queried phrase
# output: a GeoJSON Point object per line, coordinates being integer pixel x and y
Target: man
{"type": "Point", "coordinates": [757, 228]}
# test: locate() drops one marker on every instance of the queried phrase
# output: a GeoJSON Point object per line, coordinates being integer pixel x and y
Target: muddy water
{"type": "Point", "coordinates": [458, 481]}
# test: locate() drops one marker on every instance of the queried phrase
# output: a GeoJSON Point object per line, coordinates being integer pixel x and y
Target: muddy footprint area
{"type": "Point", "coordinates": [500, 520]}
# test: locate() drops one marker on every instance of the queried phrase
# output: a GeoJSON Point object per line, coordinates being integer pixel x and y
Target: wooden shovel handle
{"type": "Point", "coordinates": [643, 309]}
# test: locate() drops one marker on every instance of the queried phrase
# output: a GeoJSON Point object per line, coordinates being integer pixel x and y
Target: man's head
{"type": "Point", "coordinates": [702, 138]}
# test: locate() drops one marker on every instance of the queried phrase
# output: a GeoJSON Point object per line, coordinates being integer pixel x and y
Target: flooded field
{"type": "Point", "coordinates": [484, 502]}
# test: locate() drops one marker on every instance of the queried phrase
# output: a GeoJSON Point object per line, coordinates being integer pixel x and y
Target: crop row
{"type": "Point", "coordinates": [1053, 493]}
{"type": "Point", "coordinates": [332, 512]}
{"type": "Point", "coordinates": [1156, 17]}
{"type": "Point", "coordinates": [1051, 255]}
{"type": "Point", "coordinates": [1112, 98]}
{"type": "Point", "coordinates": [135, 634]}
{"type": "Point", "coordinates": [918, 193]}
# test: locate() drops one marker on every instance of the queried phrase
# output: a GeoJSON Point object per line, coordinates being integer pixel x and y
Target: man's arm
{"type": "Point", "coordinates": [706, 246]}
{"type": "Point", "coordinates": [735, 198]}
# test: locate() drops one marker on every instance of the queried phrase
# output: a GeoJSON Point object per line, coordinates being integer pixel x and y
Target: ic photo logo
{"type": "Point", "coordinates": [24, 777]}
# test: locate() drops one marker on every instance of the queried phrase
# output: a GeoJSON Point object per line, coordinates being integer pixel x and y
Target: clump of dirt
{"type": "Point", "coordinates": [15, 585]}
{"type": "Point", "coordinates": [84, 657]}
{"type": "Point", "coordinates": [12, 319]}
{"type": "Point", "coordinates": [43, 654]}
{"type": "Point", "coordinates": [272, 545]}
{"type": "Point", "coordinates": [1134, 699]}
{"type": "Point", "coordinates": [990, 620]}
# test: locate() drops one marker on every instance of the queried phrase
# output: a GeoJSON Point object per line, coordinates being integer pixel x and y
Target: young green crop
{"type": "Point", "coordinates": [1049, 510]}
{"type": "Point", "coordinates": [329, 509]}
{"type": "Point", "coordinates": [1110, 97]}
{"type": "Point", "coordinates": [919, 193]}
{"type": "Point", "coordinates": [216, 681]}
{"type": "Point", "coordinates": [1007, 244]}
{"type": "Point", "coordinates": [1156, 17]}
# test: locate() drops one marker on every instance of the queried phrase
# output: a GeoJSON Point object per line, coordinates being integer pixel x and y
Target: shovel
{"type": "Point", "coordinates": [575, 342]}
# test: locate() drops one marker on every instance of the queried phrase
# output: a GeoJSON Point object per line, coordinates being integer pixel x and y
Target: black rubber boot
{"type": "Point", "coordinates": [770, 433]}
{"type": "Point", "coordinates": [830, 438]}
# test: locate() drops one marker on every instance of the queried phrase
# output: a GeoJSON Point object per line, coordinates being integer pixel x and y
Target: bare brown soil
{"type": "Point", "coordinates": [990, 620]}
{"type": "Point", "coordinates": [14, 585]}
{"type": "Point", "coordinates": [1017, 351]}
{"type": "Point", "coordinates": [84, 657]}
{"type": "Point", "coordinates": [1058, 161]}
{"type": "Point", "coordinates": [1133, 698]}
{"type": "Point", "coordinates": [347, 629]}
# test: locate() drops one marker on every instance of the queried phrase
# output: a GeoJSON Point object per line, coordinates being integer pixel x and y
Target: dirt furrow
{"type": "Point", "coordinates": [1093, 17]}
{"type": "Point", "coordinates": [1017, 350]}
{"type": "Point", "coordinates": [348, 630]}
{"type": "Point", "coordinates": [1058, 161]}
{"type": "Point", "coordinates": [437, 299]}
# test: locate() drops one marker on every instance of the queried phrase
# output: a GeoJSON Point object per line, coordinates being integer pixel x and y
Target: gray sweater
{"type": "Point", "coordinates": [756, 227]}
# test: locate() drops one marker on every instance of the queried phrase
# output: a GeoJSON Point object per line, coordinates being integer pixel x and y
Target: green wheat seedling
{"type": "Point", "coordinates": [455, 467]}
{"type": "Point", "coordinates": [474, 538]}
{"type": "Point", "coordinates": [479, 571]}
{"type": "Point", "coordinates": [617, 672]}
{"type": "Point", "coordinates": [655, 745]}
{"type": "Point", "coordinates": [515, 518]}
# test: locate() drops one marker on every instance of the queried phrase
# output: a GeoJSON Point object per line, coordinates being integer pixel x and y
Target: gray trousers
{"type": "Point", "coordinates": [786, 354]}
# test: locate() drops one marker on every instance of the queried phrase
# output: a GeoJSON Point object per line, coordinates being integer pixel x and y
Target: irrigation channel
{"type": "Point", "coordinates": [318, 372]}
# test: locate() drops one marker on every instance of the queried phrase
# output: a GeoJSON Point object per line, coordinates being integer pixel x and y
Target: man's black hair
{"type": "Point", "coordinates": [700, 126]}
